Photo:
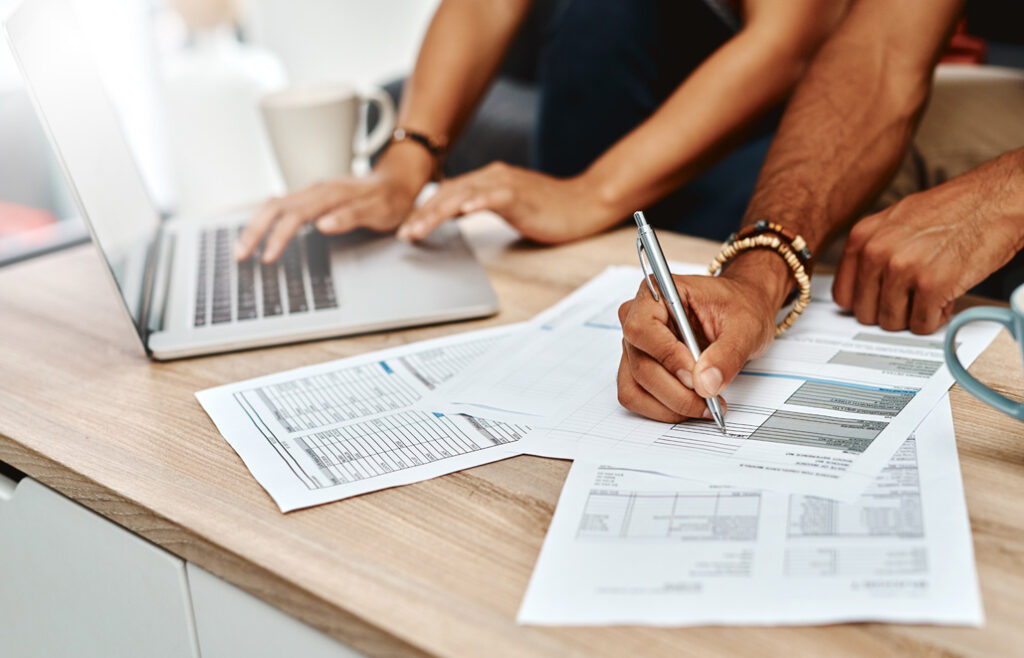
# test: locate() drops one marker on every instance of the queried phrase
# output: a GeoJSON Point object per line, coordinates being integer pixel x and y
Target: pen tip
{"type": "Point", "coordinates": [716, 414]}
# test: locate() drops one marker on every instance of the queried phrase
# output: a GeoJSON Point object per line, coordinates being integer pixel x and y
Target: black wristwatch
{"type": "Point", "coordinates": [435, 147]}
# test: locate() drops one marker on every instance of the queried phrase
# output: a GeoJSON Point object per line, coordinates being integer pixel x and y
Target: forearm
{"type": "Point", "coordinates": [462, 48]}
{"type": "Point", "coordinates": [849, 122]}
{"type": "Point", "coordinates": [714, 108]}
{"type": "Point", "coordinates": [701, 119]}
{"type": "Point", "coordinates": [994, 194]}
{"type": "Point", "coordinates": [851, 119]}
{"type": "Point", "coordinates": [1012, 182]}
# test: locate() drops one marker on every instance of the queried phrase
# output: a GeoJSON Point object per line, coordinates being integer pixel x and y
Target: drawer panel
{"type": "Point", "coordinates": [73, 583]}
{"type": "Point", "coordinates": [231, 622]}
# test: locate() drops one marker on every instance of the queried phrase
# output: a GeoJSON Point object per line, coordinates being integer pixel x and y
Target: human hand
{"type": "Point", "coordinates": [540, 207]}
{"type": "Point", "coordinates": [379, 201]}
{"type": "Point", "coordinates": [734, 314]}
{"type": "Point", "coordinates": [905, 266]}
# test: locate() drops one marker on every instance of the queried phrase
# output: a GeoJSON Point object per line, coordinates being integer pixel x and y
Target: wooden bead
{"type": "Point", "coordinates": [788, 252]}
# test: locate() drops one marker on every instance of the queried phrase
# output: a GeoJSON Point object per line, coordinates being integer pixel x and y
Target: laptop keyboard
{"type": "Point", "coordinates": [228, 291]}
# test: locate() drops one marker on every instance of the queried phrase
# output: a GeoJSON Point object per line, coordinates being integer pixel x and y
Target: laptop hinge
{"type": "Point", "coordinates": [153, 261]}
{"type": "Point", "coordinates": [162, 282]}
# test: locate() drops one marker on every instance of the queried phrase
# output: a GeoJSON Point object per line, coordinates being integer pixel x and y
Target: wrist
{"type": "Point", "coordinates": [607, 202]}
{"type": "Point", "coordinates": [764, 271]}
{"type": "Point", "coordinates": [407, 164]}
{"type": "Point", "coordinates": [798, 210]}
{"type": "Point", "coordinates": [1014, 206]}
{"type": "Point", "coordinates": [992, 194]}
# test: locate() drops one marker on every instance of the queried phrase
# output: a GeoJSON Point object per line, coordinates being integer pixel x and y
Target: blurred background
{"type": "Point", "coordinates": [185, 76]}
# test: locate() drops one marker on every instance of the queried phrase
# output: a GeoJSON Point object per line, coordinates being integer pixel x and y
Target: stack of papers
{"type": "Point", "coordinates": [323, 433]}
{"type": "Point", "coordinates": [820, 504]}
{"type": "Point", "coordinates": [639, 547]}
{"type": "Point", "coordinates": [820, 413]}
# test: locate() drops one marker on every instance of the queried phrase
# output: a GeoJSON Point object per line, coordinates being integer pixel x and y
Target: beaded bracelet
{"type": "Point", "coordinates": [796, 241]}
{"type": "Point", "coordinates": [733, 247]}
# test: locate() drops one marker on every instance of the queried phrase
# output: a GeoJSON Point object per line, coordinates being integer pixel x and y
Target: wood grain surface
{"type": "Point", "coordinates": [436, 568]}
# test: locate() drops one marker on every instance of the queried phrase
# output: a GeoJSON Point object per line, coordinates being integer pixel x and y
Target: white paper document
{"type": "Point", "coordinates": [338, 429]}
{"type": "Point", "coordinates": [820, 413]}
{"type": "Point", "coordinates": [556, 361]}
{"type": "Point", "coordinates": [635, 547]}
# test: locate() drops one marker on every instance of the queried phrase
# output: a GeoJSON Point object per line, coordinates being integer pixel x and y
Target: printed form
{"type": "Point", "coordinates": [628, 546]}
{"type": "Point", "coordinates": [820, 413]}
{"type": "Point", "coordinates": [334, 430]}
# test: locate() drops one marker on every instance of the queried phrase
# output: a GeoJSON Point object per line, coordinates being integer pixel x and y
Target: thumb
{"type": "Point", "coordinates": [498, 200]}
{"type": "Point", "coordinates": [420, 226]}
{"type": "Point", "coordinates": [342, 220]}
{"type": "Point", "coordinates": [724, 358]}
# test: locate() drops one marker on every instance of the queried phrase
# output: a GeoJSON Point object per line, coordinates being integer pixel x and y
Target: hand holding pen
{"type": "Point", "coordinates": [658, 376]}
{"type": "Point", "coordinates": [647, 244]}
{"type": "Point", "coordinates": [735, 312]}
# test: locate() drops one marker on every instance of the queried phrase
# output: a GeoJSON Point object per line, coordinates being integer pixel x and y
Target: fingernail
{"type": "Point", "coordinates": [706, 414]}
{"type": "Point", "coordinates": [239, 251]}
{"type": "Point", "coordinates": [686, 377]}
{"type": "Point", "coordinates": [711, 379]}
{"type": "Point", "coordinates": [327, 224]}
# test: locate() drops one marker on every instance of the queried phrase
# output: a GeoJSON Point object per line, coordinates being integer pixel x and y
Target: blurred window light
{"type": "Point", "coordinates": [138, 46]}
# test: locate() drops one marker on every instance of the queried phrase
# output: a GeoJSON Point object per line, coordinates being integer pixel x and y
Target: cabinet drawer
{"type": "Point", "coordinates": [231, 623]}
{"type": "Point", "coordinates": [74, 584]}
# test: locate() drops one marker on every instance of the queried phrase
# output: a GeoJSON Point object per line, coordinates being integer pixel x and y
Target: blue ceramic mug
{"type": "Point", "coordinates": [1013, 319]}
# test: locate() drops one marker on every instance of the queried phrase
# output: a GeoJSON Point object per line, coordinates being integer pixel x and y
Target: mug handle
{"type": "Point", "coordinates": [385, 125]}
{"type": "Point", "coordinates": [1004, 317]}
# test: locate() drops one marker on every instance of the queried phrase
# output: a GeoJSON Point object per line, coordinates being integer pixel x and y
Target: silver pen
{"type": "Point", "coordinates": [648, 244]}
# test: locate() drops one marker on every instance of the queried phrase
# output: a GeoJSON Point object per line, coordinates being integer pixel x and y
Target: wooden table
{"type": "Point", "coordinates": [433, 568]}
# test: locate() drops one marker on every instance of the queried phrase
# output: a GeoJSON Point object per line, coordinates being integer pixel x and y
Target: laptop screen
{"type": "Point", "coordinates": [84, 130]}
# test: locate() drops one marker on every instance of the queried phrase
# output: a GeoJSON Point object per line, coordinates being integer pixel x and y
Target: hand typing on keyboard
{"type": "Point", "coordinates": [229, 291]}
{"type": "Point", "coordinates": [381, 202]}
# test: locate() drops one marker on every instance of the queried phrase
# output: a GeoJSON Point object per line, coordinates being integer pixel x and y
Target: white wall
{"type": "Point", "coordinates": [362, 42]}
{"type": "Point", "coordinates": [121, 36]}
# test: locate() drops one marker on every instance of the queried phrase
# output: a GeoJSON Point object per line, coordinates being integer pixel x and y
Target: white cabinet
{"type": "Point", "coordinates": [232, 623]}
{"type": "Point", "coordinates": [74, 584]}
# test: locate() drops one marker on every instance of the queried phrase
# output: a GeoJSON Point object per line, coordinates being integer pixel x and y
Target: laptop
{"type": "Point", "coordinates": [180, 285]}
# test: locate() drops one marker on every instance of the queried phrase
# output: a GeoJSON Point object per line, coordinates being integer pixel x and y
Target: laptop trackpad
{"type": "Point", "coordinates": [382, 274]}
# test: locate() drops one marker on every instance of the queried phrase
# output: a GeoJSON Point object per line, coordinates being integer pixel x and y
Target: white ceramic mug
{"type": "Point", "coordinates": [315, 131]}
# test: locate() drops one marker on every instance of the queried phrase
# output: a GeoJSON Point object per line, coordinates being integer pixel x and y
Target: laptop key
{"type": "Point", "coordinates": [221, 277]}
{"type": "Point", "coordinates": [271, 290]}
{"type": "Point", "coordinates": [318, 259]}
{"type": "Point", "coordinates": [295, 287]}
{"type": "Point", "coordinates": [199, 319]}
{"type": "Point", "coordinates": [247, 289]}
{"type": "Point", "coordinates": [245, 285]}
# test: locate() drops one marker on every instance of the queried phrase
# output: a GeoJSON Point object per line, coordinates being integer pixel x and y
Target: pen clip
{"type": "Point", "coordinates": [643, 266]}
